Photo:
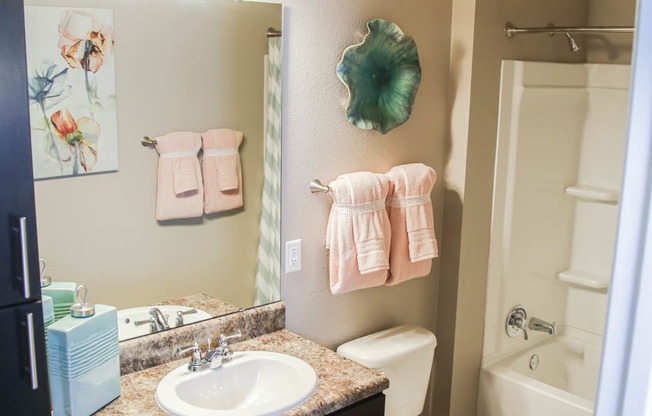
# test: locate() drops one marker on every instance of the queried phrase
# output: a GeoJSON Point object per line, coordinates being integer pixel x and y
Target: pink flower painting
{"type": "Point", "coordinates": [81, 137]}
{"type": "Point", "coordinates": [70, 54]}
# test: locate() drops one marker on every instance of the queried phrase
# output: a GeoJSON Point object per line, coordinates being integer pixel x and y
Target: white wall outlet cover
{"type": "Point", "coordinates": [292, 256]}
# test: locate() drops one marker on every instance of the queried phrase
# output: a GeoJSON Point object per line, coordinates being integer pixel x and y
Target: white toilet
{"type": "Point", "coordinates": [404, 354]}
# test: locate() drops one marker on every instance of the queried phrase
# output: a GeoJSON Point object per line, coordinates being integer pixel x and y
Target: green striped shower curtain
{"type": "Point", "coordinates": [268, 270]}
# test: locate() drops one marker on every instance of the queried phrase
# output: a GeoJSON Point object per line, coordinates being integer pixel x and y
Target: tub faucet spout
{"type": "Point", "coordinates": [537, 324]}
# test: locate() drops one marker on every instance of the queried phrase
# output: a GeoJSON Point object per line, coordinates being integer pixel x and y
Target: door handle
{"type": "Point", "coordinates": [32, 351]}
{"type": "Point", "coordinates": [22, 227]}
{"type": "Point", "coordinates": [19, 236]}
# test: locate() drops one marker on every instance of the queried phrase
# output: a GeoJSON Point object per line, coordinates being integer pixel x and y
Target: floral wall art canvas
{"type": "Point", "coordinates": [71, 86]}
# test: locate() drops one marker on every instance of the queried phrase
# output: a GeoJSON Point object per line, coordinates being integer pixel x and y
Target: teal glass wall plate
{"type": "Point", "coordinates": [382, 75]}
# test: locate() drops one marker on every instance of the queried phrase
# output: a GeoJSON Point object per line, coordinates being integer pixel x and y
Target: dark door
{"type": "Point", "coordinates": [23, 374]}
{"type": "Point", "coordinates": [24, 386]}
{"type": "Point", "coordinates": [19, 274]}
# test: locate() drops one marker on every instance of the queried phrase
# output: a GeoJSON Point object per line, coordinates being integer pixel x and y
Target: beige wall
{"type": "Point", "coordinates": [100, 230]}
{"type": "Point", "coordinates": [616, 49]}
{"type": "Point", "coordinates": [475, 77]}
{"type": "Point", "coordinates": [321, 143]}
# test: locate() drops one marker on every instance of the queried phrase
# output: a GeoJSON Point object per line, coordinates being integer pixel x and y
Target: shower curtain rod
{"type": "Point", "coordinates": [273, 33]}
{"type": "Point", "coordinates": [511, 30]}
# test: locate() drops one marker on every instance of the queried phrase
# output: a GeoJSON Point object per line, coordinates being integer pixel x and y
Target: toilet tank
{"type": "Point", "coordinates": [404, 354]}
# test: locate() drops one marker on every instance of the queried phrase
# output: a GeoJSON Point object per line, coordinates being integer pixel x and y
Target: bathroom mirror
{"type": "Point", "coordinates": [179, 66]}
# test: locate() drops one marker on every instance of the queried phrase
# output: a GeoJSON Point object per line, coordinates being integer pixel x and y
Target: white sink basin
{"type": "Point", "coordinates": [254, 383]}
{"type": "Point", "coordinates": [127, 318]}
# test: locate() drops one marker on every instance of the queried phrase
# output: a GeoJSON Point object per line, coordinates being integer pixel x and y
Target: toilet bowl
{"type": "Point", "coordinates": [404, 355]}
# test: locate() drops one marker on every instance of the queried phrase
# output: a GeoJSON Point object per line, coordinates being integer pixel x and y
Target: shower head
{"type": "Point", "coordinates": [574, 47]}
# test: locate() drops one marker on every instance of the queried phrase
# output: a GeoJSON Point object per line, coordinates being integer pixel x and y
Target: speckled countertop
{"type": "Point", "coordinates": [209, 304]}
{"type": "Point", "coordinates": [341, 382]}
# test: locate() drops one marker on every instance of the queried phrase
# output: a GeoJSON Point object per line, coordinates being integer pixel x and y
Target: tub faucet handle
{"type": "Point", "coordinates": [516, 321]}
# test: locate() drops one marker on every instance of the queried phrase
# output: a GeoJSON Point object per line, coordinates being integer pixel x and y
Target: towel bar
{"type": "Point", "coordinates": [147, 142]}
{"type": "Point", "coordinates": [317, 186]}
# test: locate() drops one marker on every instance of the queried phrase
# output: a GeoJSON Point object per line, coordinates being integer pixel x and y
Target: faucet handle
{"type": "Point", "coordinates": [516, 321]}
{"type": "Point", "coordinates": [196, 351]}
{"type": "Point", "coordinates": [225, 337]}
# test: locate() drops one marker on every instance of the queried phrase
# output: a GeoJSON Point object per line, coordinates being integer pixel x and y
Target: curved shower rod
{"type": "Point", "coordinates": [511, 30]}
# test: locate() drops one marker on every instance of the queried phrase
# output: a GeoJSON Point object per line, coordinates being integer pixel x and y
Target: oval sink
{"type": "Point", "coordinates": [127, 318]}
{"type": "Point", "coordinates": [254, 383]}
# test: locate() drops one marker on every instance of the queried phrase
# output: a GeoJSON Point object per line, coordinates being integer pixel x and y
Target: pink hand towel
{"type": "Point", "coordinates": [222, 172]}
{"type": "Point", "coordinates": [180, 191]}
{"type": "Point", "coordinates": [410, 214]}
{"type": "Point", "coordinates": [358, 233]}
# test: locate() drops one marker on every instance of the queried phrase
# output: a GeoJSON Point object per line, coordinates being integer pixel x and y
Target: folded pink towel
{"type": "Point", "coordinates": [180, 193]}
{"type": "Point", "coordinates": [410, 214]}
{"type": "Point", "coordinates": [358, 233]}
{"type": "Point", "coordinates": [222, 172]}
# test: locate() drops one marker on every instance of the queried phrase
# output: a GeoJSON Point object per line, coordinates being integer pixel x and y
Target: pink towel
{"type": "Point", "coordinates": [222, 173]}
{"type": "Point", "coordinates": [358, 234]}
{"type": "Point", "coordinates": [410, 214]}
{"type": "Point", "coordinates": [180, 192]}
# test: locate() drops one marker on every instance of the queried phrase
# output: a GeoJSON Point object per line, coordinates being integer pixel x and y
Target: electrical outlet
{"type": "Point", "coordinates": [292, 256]}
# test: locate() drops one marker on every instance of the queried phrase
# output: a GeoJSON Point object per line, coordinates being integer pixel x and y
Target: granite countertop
{"type": "Point", "coordinates": [341, 382]}
{"type": "Point", "coordinates": [209, 304]}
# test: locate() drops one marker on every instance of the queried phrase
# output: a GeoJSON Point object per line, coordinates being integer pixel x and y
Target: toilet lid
{"type": "Point", "coordinates": [375, 350]}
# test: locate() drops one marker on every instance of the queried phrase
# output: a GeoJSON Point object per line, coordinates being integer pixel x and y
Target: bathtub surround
{"type": "Point", "coordinates": [573, 221]}
{"type": "Point", "coordinates": [553, 230]}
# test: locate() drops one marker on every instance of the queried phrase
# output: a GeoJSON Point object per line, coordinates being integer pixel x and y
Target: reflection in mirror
{"type": "Point", "coordinates": [179, 66]}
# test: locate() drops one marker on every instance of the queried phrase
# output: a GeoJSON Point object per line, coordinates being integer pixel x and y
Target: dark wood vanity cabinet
{"type": "Point", "coordinates": [23, 375]}
{"type": "Point", "coordinates": [371, 406]}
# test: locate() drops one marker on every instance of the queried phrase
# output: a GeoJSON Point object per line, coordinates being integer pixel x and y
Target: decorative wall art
{"type": "Point", "coordinates": [71, 85]}
{"type": "Point", "coordinates": [382, 75]}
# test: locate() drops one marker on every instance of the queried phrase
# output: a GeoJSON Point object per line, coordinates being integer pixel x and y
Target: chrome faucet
{"type": "Point", "coordinates": [158, 322]}
{"type": "Point", "coordinates": [222, 353]}
{"type": "Point", "coordinates": [537, 324]}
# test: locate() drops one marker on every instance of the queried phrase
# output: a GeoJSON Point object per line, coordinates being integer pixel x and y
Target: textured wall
{"type": "Point", "coordinates": [320, 143]}
{"type": "Point", "coordinates": [615, 49]}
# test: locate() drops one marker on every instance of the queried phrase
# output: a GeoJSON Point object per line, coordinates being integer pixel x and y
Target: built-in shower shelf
{"type": "Point", "coordinates": [593, 194]}
{"type": "Point", "coordinates": [584, 278]}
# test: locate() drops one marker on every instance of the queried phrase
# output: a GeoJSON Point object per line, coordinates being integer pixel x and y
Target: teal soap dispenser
{"type": "Point", "coordinates": [62, 293]}
{"type": "Point", "coordinates": [83, 358]}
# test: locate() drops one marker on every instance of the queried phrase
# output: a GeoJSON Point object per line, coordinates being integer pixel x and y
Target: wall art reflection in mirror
{"type": "Point", "coordinates": [71, 89]}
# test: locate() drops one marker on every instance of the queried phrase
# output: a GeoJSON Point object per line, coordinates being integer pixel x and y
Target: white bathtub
{"type": "Point", "coordinates": [563, 384]}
